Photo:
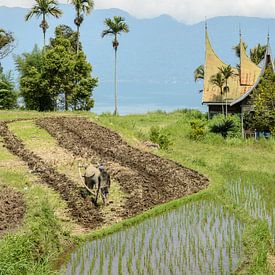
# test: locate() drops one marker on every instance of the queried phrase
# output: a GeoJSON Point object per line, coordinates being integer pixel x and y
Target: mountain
{"type": "Point", "coordinates": [156, 59]}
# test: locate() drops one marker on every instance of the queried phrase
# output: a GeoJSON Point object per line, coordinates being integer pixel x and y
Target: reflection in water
{"type": "Point", "coordinates": [197, 238]}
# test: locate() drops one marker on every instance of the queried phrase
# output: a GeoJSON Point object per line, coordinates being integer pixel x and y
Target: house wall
{"type": "Point", "coordinates": [217, 109]}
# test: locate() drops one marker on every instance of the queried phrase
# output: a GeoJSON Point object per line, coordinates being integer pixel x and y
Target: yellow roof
{"type": "Point", "coordinates": [238, 85]}
{"type": "Point", "coordinates": [249, 70]}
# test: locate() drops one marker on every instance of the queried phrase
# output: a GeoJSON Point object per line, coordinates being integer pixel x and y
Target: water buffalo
{"type": "Point", "coordinates": [97, 178]}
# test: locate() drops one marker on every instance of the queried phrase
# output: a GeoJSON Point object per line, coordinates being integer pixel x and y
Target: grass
{"type": "Point", "coordinates": [240, 172]}
{"type": "Point", "coordinates": [34, 247]}
{"type": "Point", "coordinates": [223, 162]}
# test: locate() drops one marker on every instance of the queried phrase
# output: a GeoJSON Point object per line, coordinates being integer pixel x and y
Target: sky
{"type": "Point", "coordinates": [187, 11]}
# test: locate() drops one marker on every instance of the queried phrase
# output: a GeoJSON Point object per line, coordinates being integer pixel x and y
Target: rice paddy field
{"type": "Point", "coordinates": [197, 238]}
{"type": "Point", "coordinates": [227, 228]}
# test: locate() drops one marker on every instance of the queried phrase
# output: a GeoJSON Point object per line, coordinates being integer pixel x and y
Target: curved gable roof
{"type": "Point", "coordinates": [211, 93]}
{"type": "Point", "coordinates": [266, 61]}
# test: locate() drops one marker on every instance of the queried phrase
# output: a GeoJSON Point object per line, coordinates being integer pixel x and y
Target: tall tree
{"type": "Point", "coordinates": [59, 78]}
{"type": "Point", "coordinates": [34, 88]}
{"type": "Point", "coordinates": [199, 73]}
{"type": "Point", "coordinates": [7, 44]}
{"type": "Point", "coordinates": [82, 7]}
{"type": "Point", "coordinates": [263, 99]}
{"type": "Point", "coordinates": [72, 81]}
{"type": "Point", "coordinates": [219, 81]}
{"type": "Point", "coordinates": [8, 96]}
{"type": "Point", "coordinates": [44, 8]}
{"type": "Point", "coordinates": [227, 72]}
{"type": "Point", "coordinates": [257, 54]}
{"type": "Point", "coordinates": [115, 27]}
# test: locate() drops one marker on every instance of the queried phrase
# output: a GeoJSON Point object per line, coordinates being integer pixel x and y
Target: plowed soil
{"type": "Point", "coordinates": [85, 213]}
{"type": "Point", "coordinates": [12, 209]}
{"type": "Point", "coordinates": [146, 179]}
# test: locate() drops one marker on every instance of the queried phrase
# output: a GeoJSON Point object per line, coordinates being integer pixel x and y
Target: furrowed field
{"type": "Point", "coordinates": [181, 225]}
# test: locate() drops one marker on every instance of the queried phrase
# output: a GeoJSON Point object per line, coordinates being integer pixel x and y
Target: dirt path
{"type": "Point", "coordinates": [147, 179]}
{"type": "Point", "coordinates": [85, 213]}
{"type": "Point", "coordinates": [12, 209]}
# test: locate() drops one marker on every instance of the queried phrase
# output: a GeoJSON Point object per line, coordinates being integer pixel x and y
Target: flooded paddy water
{"type": "Point", "coordinates": [201, 237]}
{"type": "Point", "coordinates": [254, 202]}
{"type": "Point", "coordinates": [197, 238]}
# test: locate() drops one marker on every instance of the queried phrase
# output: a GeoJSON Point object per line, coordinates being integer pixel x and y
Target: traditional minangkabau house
{"type": "Point", "coordinates": [246, 78]}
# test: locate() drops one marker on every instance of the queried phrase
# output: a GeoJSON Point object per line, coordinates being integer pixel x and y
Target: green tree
{"type": "Point", "coordinates": [7, 44]}
{"type": "Point", "coordinates": [199, 73]}
{"type": "Point", "coordinates": [82, 7]}
{"type": "Point", "coordinates": [44, 8]}
{"type": "Point", "coordinates": [219, 81]}
{"type": "Point", "coordinates": [68, 72]}
{"type": "Point", "coordinates": [58, 78]}
{"type": "Point", "coordinates": [237, 49]}
{"type": "Point", "coordinates": [8, 97]}
{"type": "Point", "coordinates": [257, 54]}
{"type": "Point", "coordinates": [33, 86]}
{"type": "Point", "coordinates": [263, 99]}
{"type": "Point", "coordinates": [227, 72]}
{"type": "Point", "coordinates": [115, 27]}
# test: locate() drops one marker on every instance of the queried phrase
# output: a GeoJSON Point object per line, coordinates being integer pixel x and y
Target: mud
{"type": "Point", "coordinates": [85, 213]}
{"type": "Point", "coordinates": [146, 179]}
{"type": "Point", "coordinates": [12, 209]}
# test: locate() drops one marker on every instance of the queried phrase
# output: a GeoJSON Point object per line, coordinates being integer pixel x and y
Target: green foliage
{"type": "Point", "coordinates": [264, 101]}
{"type": "Point", "coordinates": [158, 136]}
{"type": "Point", "coordinates": [29, 252]}
{"type": "Point", "coordinates": [237, 49]}
{"type": "Point", "coordinates": [6, 43]}
{"type": "Point", "coordinates": [227, 127]}
{"type": "Point", "coordinates": [222, 127]}
{"type": "Point", "coordinates": [44, 8]}
{"type": "Point", "coordinates": [198, 129]}
{"type": "Point", "coordinates": [199, 73]}
{"type": "Point", "coordinates": [58, 77]}
{"type": "Point", "coordinates": [8, 97]}
{"type": "Point", "coordinates": [257, 54]}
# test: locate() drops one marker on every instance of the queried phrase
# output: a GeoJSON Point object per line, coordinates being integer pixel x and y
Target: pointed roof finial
{"type": "Point", "coordinates": [268, 35]}
{"type": "Point", "coordinates": [240, 31]}
{"type": "Point", "coordinates": [205, 23]}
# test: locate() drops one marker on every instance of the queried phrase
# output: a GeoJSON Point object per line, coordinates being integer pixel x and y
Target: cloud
{"type": "Point", "coordinates": [188, 11]}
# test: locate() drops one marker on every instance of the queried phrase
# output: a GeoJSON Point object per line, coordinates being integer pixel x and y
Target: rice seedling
{"type": "Point", "coordinates": [197, 238]}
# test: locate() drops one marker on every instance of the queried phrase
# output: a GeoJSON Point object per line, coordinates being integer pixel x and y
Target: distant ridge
{"type": "Point", "coordinates": [156, 59]}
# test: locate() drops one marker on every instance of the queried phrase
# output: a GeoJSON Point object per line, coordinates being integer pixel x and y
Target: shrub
{"type": "Point", "coordinates": [227, 127]}
{"type": "Point", "coordinates": [222, 127]}
{"type": "Point", "coordinates": [159, 137]}
{"type": "Point", "coordinates": [198, 129]}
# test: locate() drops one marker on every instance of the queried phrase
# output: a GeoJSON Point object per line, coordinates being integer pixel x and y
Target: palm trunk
{"type": "Point", "coordinates": [77, 43]}
{"type": "Point", "coordinates": [44, 37]}
{"type": "Point", "coordinates": [226, 90]}
{"type": "Point", "coordinates": [116, 110]}
{"type": "Point", "coordinates": [222, 102]}
{"type": "Point", "coordinates": [44, 31]}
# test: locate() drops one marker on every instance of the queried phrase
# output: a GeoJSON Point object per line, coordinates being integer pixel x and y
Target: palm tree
{"type": "Point", "coordinates": [199, 73]}
{"type": "Point", "coordinates": [237, 49]}
{"type": "Point", "coordinates": [226, 72]}
{"type": "Point", "coordinates": [82, 7]}
{"type": "Point", "coordinates": [257, 54]}
{"type": "Point", "coordinates": [44, 8]}
{"type": "Point", "coordinates": [115, 27]}
{"type": "Point", "coordinates": [219, 81]}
